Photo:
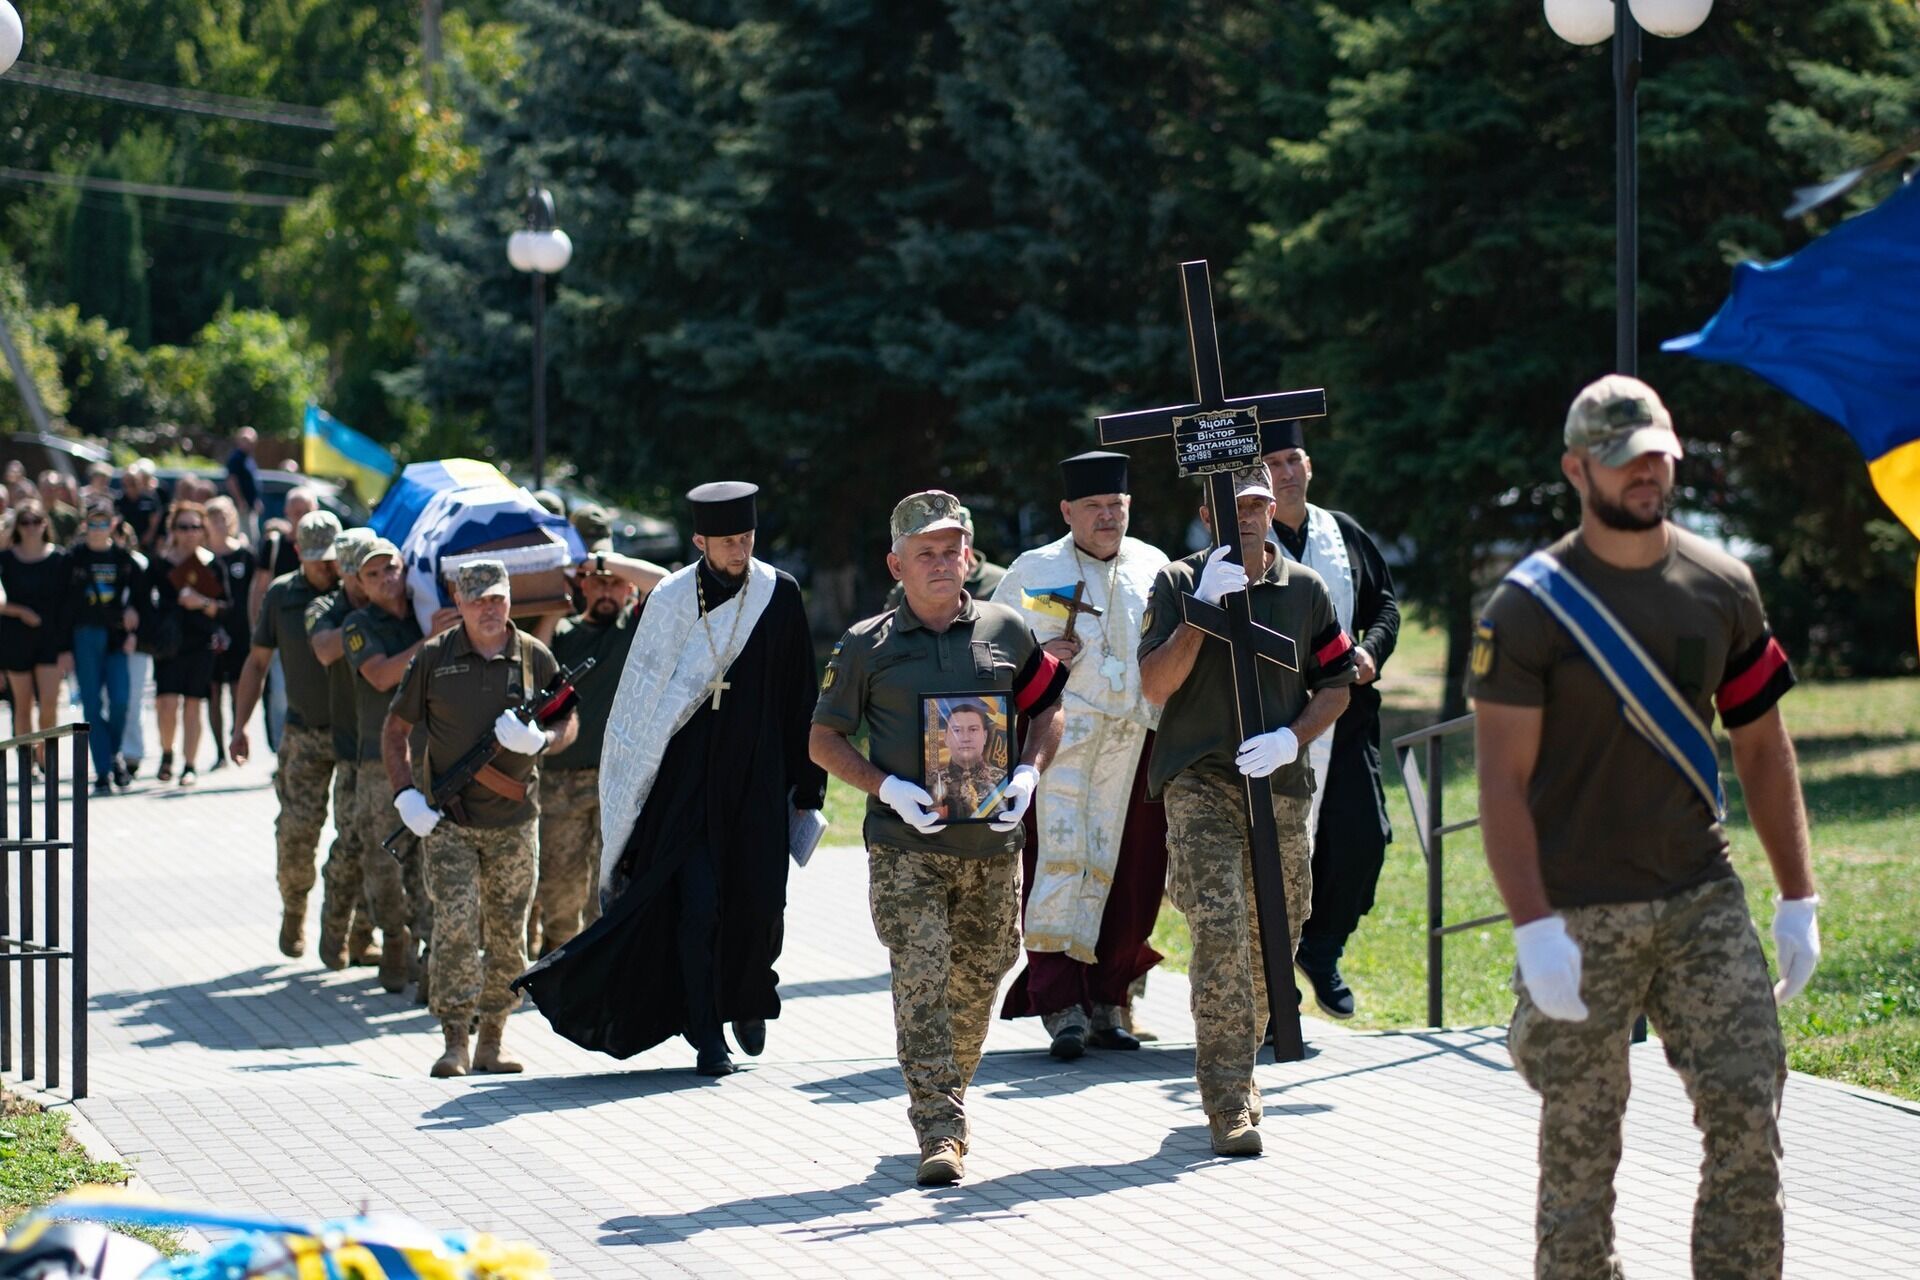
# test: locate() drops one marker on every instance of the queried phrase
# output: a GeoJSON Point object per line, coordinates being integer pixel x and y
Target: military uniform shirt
{"type": "Point", "coordinates": [372, 632]}
{"type": "Point", "coordinates": [283, 626]}
{"type": "Point", "coordinates": [457, 695]}
{"type": "Point", "coordinates": [574, 641]}
{"type": "Point", "coordinates": [1616, 821]}
{"type": "Point", "coordinates": [1198, 727]}
{"type": "Point", "coordinates": [883, 666]}
{"type": "Point", "coordinates": [329, 613]}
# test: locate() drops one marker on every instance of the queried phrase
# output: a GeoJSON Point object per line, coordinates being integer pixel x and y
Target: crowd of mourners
{"type": "Point", "coordinates": [112, 588]}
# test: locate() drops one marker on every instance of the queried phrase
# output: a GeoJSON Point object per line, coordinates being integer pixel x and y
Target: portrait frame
{"type": "Point", "coordinates": [963, 794]}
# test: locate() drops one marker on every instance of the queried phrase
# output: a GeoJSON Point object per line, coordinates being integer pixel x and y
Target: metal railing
{"type": "Point", "coordinates": [1426, 790]}
{"type": "Point", "coordinates": [30, 941]}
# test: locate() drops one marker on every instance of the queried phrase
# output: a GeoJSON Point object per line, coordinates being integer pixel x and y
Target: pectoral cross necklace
{"type": "Point", "coordinates": [1113, 666]}
{"type": "Point", "coordinates": [718, 685]}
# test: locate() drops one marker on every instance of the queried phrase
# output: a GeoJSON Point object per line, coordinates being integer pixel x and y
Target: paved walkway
{"type": "Point", "coordinates": [230, 1076]}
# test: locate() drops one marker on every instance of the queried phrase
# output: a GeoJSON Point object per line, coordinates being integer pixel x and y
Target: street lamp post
{"type": "Point", "coordinates": [1590, 22]}
{"type": "Point", "coordinates": [539, 249]}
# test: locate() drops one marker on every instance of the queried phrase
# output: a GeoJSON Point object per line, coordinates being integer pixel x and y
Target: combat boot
{"type": "Point", "coordinates": [396, 953]}
{"type": "Point", "coordinates": [1110, 1029]}
{"type": "Point", "coordinates": [1234, 1134]}
{"type": "Point", "coordinates": [333, 937]}
{"type": "Point", "coordinates": [1068, 1027]}
{"type": "Point", "coordinates": [361, 951]}
{"type": "Point", "coordinates": [453, 1062]}
{"type": "Point", "coordinates": [942, 1164]}
{"type": "Point", "coordinates": [487, 1055]}
{"type": "Point", "coordinates": [293, 928]}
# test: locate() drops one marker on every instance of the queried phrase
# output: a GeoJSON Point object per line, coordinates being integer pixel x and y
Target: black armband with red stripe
{"type": "Point", "coordinates": [1332, 654]}
{"type": "Point", "coordinates": [1039, 683]}
{"type": "Point", "coordinates": [1755, 680]}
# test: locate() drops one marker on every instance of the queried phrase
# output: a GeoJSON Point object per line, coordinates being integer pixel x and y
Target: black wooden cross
{"type": "Point", "coordinates": [1248, 640]}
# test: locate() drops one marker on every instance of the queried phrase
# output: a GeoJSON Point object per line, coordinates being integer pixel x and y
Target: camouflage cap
{"type": "Point", "coordinates": [374, 550]}
{"type": "Point", "coordinates": [1617, 418]}
{"type": "Point", "coordinates": [552, 501]}
{"type": "Point", "coordinates": [1247, 482]}
{"type": "Point", "coordinates": [477, 578]}
{"type": "Point", "coordinates": [929, 511]}
{"type": "Point", "coordinates": [314, 539]}
{"type": "Point", "coordinates": [351, 545]}
{"type": "Point", "coordinates": [591, 522]}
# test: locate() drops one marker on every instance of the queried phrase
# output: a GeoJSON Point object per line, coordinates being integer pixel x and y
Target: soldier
{"type": "Point", "coordinates": [480, 843]}
{"type": "Point", "coordinates": [346, 928]}
{"type": "Point", "coordinates": [306, 745]}
{"type": "Point", "coordinates": [983, 575]}
{"type": "Point", "coordinates": [380, 641]}
{"type": "Point", "coordinates": [565, 901]}
{"type": "Point", "coordinates": [945, 899]}
{"type": "Point", "coordinates": [1594, 674]}
{"type": "Point", "coordinates": [1195, 754]}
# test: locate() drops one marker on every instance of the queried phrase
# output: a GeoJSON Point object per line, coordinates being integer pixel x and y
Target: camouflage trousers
{"type": "Point", "coordinates": [1210, 879]}
{"type": "Point", "coordinates": [952, 928]}
{"type": "Point", "coordinates": [346, 883]}
{"type": "Point", "coordinates": [300, 783]}
{"type": "Point", "coordinates": [1692, 963]}
{"type": "Point", "coordinates": [395, 891]}
{"type": "Point", "coordinates": [567, 900]}
{"type": "Point", "coordinates": [478, 878]}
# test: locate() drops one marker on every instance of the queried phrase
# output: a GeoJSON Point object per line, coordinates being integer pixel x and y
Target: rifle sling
{"type": "Point", "coordinates": [500, 784]}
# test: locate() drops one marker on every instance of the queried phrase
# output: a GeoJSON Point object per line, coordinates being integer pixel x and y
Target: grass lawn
{"type": "Point", "coordinates": [1859, 744]}
{"type": "Point", "coordinates": [39, 1162]}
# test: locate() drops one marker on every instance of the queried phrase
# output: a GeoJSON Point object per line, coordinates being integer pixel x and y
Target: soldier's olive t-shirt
{"type": "Point", "coordinates": [574, 641]}
{"type": "Point", "coordinates": [1616, 821]}
{"type": "Point", "coordinates": [458, 694]}
{"type": "Point", "coordinates": [1198, 726]}
{"type": "Point", "coordinates": [372, 632]}
{"type": "Point", "coordinates": [884, 665]}
{"type": "Point", "coordinates": [329, 613]}
{"type": "Point", "coordinates": [283, 627]}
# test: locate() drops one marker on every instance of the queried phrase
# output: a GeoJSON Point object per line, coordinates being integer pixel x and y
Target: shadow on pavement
{"type": "Point", "coordinates": [266, 1007]}
{"type": "Point", "coordinates": [490, 1100]}
{"type": "Point", "coordinates": [837, 987]}
{"type": "Point", "coordinates": [1016, 1073]}
{"type": "Point", "coordinates": [892, 1178]}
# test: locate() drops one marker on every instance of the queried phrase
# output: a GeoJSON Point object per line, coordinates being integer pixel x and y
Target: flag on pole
{"type": "Point", "coordinates": [1837, 326]}
{"type": "Point", "coordinates": [332, 449]}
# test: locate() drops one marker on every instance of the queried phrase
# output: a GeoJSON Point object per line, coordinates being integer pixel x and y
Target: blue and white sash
{"type": "Point", "coordinates": [1648, 699]}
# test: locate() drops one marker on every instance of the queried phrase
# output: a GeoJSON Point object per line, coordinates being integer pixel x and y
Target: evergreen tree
{"type": "Point", "coordinates": [107, 260]}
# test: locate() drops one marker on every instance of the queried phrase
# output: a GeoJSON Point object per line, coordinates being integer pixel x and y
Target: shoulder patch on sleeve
{"type": "Point", "coordinates": [356, 641]}
{"type": "Point", "coordinates": [1485, 650]}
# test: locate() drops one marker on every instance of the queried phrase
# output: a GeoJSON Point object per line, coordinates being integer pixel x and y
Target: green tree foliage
{"type": "Point", "coordinates": [250, 369]}
{"type": "Point", "coordinates": [108, 382]}
{"type": "Point", "coordinates": [107, 259]}
{"type": "Point", "coordinates": [1440, 245]}
{"type": "Point", "coordinates": [42, 364]}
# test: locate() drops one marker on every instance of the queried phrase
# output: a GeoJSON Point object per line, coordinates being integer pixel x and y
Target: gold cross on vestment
{"type": "Point", "coordinates": [716, 687]}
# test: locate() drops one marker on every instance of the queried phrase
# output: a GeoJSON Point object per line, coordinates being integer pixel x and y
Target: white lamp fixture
{"type": "Point", "coordinates": [1583, 21]}
{"type": "Point", "coordinates": [542, 251]}
{"type": "Point", "coordinates": [12, 35]}
{"type": "Point", "coordinates": [1670, 18]}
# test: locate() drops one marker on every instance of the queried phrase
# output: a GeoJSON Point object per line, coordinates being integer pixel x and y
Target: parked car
{"type": "Point", "coordinates": [634, 533]}
{"type": "Point", "coordinates": [38, 453]}
{"type": "Point", "coordinates": [274, 487]}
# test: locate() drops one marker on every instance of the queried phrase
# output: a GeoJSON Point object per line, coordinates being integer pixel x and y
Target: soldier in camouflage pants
{"type": "Point", "coordinates": [952, 927]}
{"type": "Point", "coordinates": [478, 878]}
{"type": "Point", "coordinates": [344, 878]}
{"type": "Point", "coordinates": [396, 904]}
{"type": "Point", "coordinates": [300, 783]}
{"type": "Point", "coordinates": [1692, 963]}
{"type": "Point", "coordinates": [566, 900]}
{"type": "Point", "coordinates": [1210, 879]}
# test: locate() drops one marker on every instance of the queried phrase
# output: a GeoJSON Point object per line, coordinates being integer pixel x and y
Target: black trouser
{"type": "Point", "coordinates": [1349, 847]}
{"type": "Point", "coordinates": [698, 935]}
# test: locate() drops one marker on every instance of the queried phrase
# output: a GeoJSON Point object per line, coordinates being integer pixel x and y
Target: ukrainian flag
{"type": "Point", "coordinates": [1044, 601]}
{"type": "Point", "coordinates": [1837, 326]}
{"type": "Point", "coordinates": [332, 449]}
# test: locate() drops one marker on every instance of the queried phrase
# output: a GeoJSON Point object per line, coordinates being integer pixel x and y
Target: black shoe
{"type": "Point", "coordinates": [1070, 1043]}
{"type": "Point", "coordinates": [751, 1035]}
{"type": "Point", "coordinates": [715, 1062]}
{"type": "Point", "coordinates": [1330, 991]}
{"type": "Point", "coordinates": [122, 775]}
{"type": "Point", "coordinates": [133, 769]}
{"type": "Point", "coordinates": [189, 776]}
{"type": "Point", "coordinates": [1113, 1038]}
{"type": "Point", "coordinates": [166, 767]}
{"type": "Point", "coordinates": [103, 786]}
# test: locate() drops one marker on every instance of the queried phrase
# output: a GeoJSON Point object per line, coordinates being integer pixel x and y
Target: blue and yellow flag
{"type": "Point", "coordinates": [1837, 326]}
{"type": "Point", "coordinates": [333, 449]}
{"type": "Point", "coordinates": [1050, 602]}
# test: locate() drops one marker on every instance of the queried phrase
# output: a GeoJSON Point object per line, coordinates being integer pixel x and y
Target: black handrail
{"type": "Point", "coordinates": [36, 950]}
{"type": "Point", "coordinates": [1430, 827]}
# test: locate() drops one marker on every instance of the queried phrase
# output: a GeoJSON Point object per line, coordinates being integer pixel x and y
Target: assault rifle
{"type": "Point", "coordinates": [543, 708]}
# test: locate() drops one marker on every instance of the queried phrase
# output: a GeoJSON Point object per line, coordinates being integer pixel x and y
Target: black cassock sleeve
{"type": "Point", "coordinates": [799, 687]}
{"type": "Point", "coordinates": [1376, 613]}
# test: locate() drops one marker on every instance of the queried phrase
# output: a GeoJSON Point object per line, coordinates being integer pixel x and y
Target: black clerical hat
{"type": "Point", "coordinates": [723, 508]}
{"type": "Point", "coordinates": [1086, 474]}
{"type": "Point", "coordinates": [1275, 436]}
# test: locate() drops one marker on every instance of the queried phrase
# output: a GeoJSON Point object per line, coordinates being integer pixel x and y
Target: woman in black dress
{"type": "Point", "coordinates": [233, 641]}
{"type": "Point", "coordinates": [189, 593]}
{"type": "Point", "coordinates": [38, 580]}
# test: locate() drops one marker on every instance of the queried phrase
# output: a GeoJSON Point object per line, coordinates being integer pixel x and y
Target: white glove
{"type": "Point", "coordinates": [516, 735]}
{"type": "Point", "coordinates": [1219, 578]}
{"type": "Point", "coordinates": [1796, 944]}
{"type": "Point", "coordinates": [1261, 754]}
{"type": "Point", "coordinates": [911, 801]}
{"type": "Point", "coordinates": [419, 816]}
{"type": "Point", "coordinates": [1550, 968]}
{"type": "Point", "coordinates": [1018, 795]}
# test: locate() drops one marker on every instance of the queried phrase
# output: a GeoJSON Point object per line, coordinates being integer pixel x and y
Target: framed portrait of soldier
{"type": "Point", "coordinates": [966, 740]}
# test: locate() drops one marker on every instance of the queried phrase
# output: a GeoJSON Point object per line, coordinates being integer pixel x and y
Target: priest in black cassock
{"type": "Point", "coordinates": [705, 759]}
